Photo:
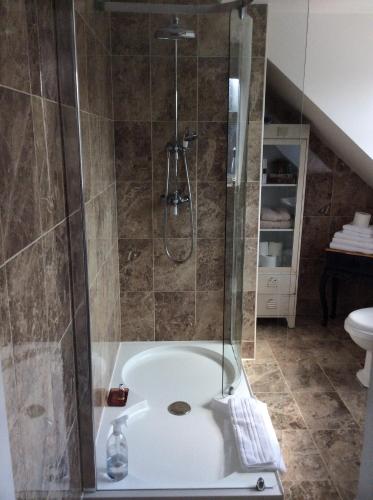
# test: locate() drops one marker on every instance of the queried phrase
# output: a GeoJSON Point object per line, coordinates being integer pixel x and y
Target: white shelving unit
{"type": "Point", "coordinates": [285, 150]}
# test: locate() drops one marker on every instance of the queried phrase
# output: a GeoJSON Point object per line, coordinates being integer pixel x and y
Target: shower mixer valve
{"type": "Point", "coordinates": [174, 200]}
{"type": "Point", "coordinates": [188, 138]}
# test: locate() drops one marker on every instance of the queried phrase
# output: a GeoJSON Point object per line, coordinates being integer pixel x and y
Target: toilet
{"type": "Point", "coordinates": [359, 324]}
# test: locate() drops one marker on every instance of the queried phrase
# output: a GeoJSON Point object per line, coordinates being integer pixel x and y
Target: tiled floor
{"type": "Point", "coordinates": [307, 378]}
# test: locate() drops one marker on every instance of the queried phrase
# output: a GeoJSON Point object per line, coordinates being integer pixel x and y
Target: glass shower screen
{"type": "Point", "coordinates": [239, 89]}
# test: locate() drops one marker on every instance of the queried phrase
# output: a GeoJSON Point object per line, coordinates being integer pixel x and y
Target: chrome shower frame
{"type": "Point", "coordinates": [172, 9]}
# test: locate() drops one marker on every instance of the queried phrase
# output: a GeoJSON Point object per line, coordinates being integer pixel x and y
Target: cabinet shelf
{"type": "Point", "coordinates": [279, 185]}
{"type": "Point", "coordinates": [268, 229]}
{"type": "Point", "coordinates": [284, 152]}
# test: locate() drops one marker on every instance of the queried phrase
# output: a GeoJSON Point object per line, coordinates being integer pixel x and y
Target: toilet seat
{"type": "Point", "coordinates": [360, 322]}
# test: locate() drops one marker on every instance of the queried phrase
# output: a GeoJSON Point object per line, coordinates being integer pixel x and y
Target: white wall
{"type": "Point", "coordinates": [338, 77]}
{"type": "Point", "coordinates": [339, 71]}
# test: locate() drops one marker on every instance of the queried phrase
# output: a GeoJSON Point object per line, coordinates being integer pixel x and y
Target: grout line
{"type": "Point", "coordinates": [34, 242]}
{"type": "Point", "coordinates": [150, 56]}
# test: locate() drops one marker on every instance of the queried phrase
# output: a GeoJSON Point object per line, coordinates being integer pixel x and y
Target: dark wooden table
{"type": "Point", "coordinates": [341, 265]}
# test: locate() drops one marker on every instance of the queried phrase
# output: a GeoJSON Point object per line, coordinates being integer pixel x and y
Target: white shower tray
{"type": "Point", "coordinates": [167, 453]}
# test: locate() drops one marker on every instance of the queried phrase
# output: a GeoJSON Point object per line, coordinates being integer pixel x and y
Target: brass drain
{"type": "Point", "coordinates": [179, 408]}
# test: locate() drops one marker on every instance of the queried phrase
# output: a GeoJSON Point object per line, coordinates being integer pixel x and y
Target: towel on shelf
{"type": "Point", "coordinates": [338, 245]}
{"type": "Point", "coordinates": [368, 231]}
{"type": "Point", "coordinates": [349, 235]}
{"type": "Point", "coordinates": [271, 224]}
{"type": "Point", "coordinates": [255, 436]}
{"type": "Point", "coordinates": [366, 244]}
{"type": "Point", "coordinates": [354, 234]}
{"type": "Point", "coordinates": [278, 214]}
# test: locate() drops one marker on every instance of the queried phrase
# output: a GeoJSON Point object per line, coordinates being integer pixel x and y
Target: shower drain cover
{"type": "Point", "coordinates": [179, 408]}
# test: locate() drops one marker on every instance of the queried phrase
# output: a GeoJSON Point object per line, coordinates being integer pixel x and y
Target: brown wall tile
{"type": "Point", "coordinates": [170, 276]}
{"type": "Point", "coordinates": [19, 197]}
{"type": "Point", "coordinates": [14, 65]}
{"type": "Point", "coordinates": [133, 151]}
{"type": "Point", "coordinates": [131, 101]}
{"type": "Point", "coordinates": [211, 209]}
{"type": "Point", "coordinates": [252, 210]}
{"type": "Point", "coordinates": [213, 89]}
{"type": "Point", "coordinates": [49, 158]}
{"type": "Point", "coordinates": [134, 38]}
{"type": "Point", "coordinates": [210, 264]}
{"type": "Point", "coordinates": [136, 265]}
{"type": "Point", "coordinates": [162, 89]}
{"type": "Point", "coordinates": [213, 35]}
{"type": "Point", "coordinates": [209, 315]}
{"type": "Point", "coordinates": [256, 105]}
{"type": "Point", "coordinates": [137, 316]}
{"type": "Point", "coordinates": [134, 201]}
{"type": "Point", "coordinates": [174, 315]}
{"type": "Point", "coordinates": [212, 151]}
{"type": "Point", "coordinates": [57, 282]}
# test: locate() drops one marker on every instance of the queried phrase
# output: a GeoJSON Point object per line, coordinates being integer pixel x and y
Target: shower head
{"type": "Point", "coordinates": [174, 32]}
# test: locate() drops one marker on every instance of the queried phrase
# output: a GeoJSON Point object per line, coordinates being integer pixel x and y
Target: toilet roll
{"type": "Point", "coordinates": [268, 260]}
{"type": "Point", "coordinates": [263, 248]}
{"type": "Point", "coordinates": [275, 248]}
{"type": "Point", "coordinates": [361, 219]}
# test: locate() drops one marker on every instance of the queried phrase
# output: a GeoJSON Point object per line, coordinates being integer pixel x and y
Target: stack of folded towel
{"type": "Point", "coordinates": [354, 238]}
{"type": "Point", "coordinates": [255, 436]}
{"type": "Point", "coordinates": [275, 218]}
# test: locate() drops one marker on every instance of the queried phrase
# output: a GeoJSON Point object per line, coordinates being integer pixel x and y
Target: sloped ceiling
{"type": "Point", "coordinates": [329, 57]}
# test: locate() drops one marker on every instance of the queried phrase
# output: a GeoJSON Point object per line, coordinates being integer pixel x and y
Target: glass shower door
{"type": "Point", "coordinates": [239, 85]}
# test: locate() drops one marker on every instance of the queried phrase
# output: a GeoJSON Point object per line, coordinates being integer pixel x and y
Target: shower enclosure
{"type": "Point", "coordinates": [163, 96]}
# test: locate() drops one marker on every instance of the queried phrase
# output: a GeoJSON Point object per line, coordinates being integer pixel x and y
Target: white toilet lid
{"type": "Point", "coordinates": [361, 319]}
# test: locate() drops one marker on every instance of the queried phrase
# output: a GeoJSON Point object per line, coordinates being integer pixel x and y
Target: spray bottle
{"type": "Point", "coordinates": [117, 451]}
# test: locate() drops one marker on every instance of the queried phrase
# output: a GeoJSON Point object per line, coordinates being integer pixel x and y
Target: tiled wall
{"type": "Point", "coordinates": [161, 300]}
{"type": "Point", "coordinates": [253, 169]}
{"type": "Point", "coordinates": [333, 194]}
{"type": "Point", "coordinates": [37, 208]}
{"type": "Point", "coordinates": [97, 131]}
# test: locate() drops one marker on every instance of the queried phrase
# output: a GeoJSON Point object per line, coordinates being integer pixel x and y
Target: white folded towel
{"type": "Point", "coordinates": [359, 230]}
{"type": "Point", "coordinates": [278, 214]}
{"type": "Point", "coordinates": [357, 244]}
{"type": "Point", "coordinates": [349, 235]}
{"type": "Point", "coordinates": [337, 245]}
{"type": "Point", "coordinates": [255, 436]}
{"type": "Point", "coordinates": [273, 224]}
{"type": "Point", "coordinates": [349, 232]}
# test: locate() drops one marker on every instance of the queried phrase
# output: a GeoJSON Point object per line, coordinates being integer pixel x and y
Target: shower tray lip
{"type": "Point", "coordinates": [142, 412]}
{"type": "Point", "coordinates": [206, 349]}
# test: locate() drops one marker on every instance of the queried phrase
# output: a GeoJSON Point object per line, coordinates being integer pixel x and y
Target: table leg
{"type": "Point", "coordinates": [335, 284]}
{"type": "Point", "coordinates": [323, 299]}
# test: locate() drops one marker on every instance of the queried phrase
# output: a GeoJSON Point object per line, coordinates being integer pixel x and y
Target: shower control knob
{"type": "Point", "coordinates": [188, 138]}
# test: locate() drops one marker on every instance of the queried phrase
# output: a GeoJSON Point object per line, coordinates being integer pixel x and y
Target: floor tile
{"type": "Point", "coordinates": [343, 378]}
{"type": "Point", "coordinates": [263, 352]}
{"type": "Point", "coordinates": [305, 375]}
{"type": "Point", "coordinates": [284, 411]}
{"type": "Point", "coordinates": [334, 353]}
{"type": "Point", "coordinates": [356, 402]}
{"type": "Point", "coordinates": [310, 490]}
{"type": "Point", "coordinates": [323, 410]}
{"type": "Point", "coordinates": [301, 467]}
{"type": "Point", "coordinates": [265, 377]}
